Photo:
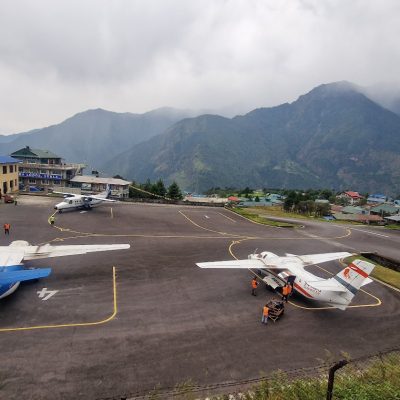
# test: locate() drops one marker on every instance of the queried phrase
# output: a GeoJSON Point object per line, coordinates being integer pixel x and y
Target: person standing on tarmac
{"type": "Point", "coordinates": [52, 219]}
{"type": "Point", "coordinates": [265, 313]}
{"type": "Point", "coordinates": [254, 284]}
{"type": "Point", "coordinates": [7, 227]}
{"type": "Point", "coordinates": [285, 292]}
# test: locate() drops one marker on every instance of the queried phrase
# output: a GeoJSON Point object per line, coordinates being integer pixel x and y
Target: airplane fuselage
{"type": "Point", "coordinates": [77, 202]}
{"type": "Point", "coordinates": [302, 282]}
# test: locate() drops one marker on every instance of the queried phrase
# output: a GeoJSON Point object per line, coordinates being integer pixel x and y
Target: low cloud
{"type": "Point", "coordinates": [59, 58]}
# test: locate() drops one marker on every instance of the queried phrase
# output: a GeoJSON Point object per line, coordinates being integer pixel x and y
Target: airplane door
{"type": "Point", "coordinates": [291, 279]}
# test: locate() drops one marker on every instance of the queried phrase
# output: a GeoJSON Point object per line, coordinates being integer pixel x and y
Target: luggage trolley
{"type": "Point", "coordinates": [276, 309]}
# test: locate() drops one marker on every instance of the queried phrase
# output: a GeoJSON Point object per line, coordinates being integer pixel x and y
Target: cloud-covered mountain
{"type": "Point", "coordinates": [334, 136]}
{"type": "Point", "coordinates": [95, 136]}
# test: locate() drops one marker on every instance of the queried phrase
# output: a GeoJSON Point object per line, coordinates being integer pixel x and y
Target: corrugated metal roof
{"type": "Point", "coordinates": [94, 179]}
{"type": "Point", "coordinates": [386, 208]}
{"type": "Point", "coordinates": [8, 160]}
{"type": "Point", "coordinates": [354, 194]}
{"type": "Point", "coordinates": [395, 218]}
{"type": "Point", "coordinates": [352, 210]}
{"type": "Point", "coordinates": [33, 153]}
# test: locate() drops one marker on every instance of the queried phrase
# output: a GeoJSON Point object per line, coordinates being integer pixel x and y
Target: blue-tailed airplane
{"type": "Point", "coordinates": [12, 271]}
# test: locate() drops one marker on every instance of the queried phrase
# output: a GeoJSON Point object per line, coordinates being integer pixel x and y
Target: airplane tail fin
{"type": "Point", "coordinates": [353, 277]}
{"type": "Point", "coordinates": [106, 193]}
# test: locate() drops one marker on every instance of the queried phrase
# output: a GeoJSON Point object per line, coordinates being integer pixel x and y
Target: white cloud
{"type": "Point", "coordinates": [62, 57]}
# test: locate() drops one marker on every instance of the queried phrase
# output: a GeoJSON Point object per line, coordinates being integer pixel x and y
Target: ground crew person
{"type": "Point", "coordinates": [254, 285]}
{"type": "Point", "coordinates": [290, 289]}
{"type": "Point", "coordinates": [7, 227]}
{"type": "Point", "coordinates": [265, 313]}
{"type": "Point", "coordinates": [285, 292]}
{"type": "Point", "coordinates": [52, 219]}
{"type": "Point", "coordinates": [15, 202]}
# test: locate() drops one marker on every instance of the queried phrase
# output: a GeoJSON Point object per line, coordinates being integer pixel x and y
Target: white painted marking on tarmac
{"type": "Point", "coordinates": [207, 216]}
{"type": "Point", "coordinates": [45, 294]}
{"type": "Point", "coordinates": [83, 212]}
{"type": "Point", "coordinates": [371, 233]}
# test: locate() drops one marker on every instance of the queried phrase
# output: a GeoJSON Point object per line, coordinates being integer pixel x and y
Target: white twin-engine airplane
{"type": "Point", "coordinates": [12, 271]}
{"type": "Point", "coordinates": [78, 201]}
{"type": "Point", "coordinates": [337, 291]}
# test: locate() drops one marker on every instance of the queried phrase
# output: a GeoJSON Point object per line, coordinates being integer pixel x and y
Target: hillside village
{"type": "Point", "coordinates": [28, 169]}
{"type": "Point", "coordinates": [346, 206]}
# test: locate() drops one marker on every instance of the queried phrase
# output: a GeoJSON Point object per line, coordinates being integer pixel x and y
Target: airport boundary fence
{"type": "Point", "coordinates": [375, 376]}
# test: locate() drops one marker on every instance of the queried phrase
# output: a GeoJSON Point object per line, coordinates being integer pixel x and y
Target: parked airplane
{"type": "Point", "coordinates": [78, 201]}
{"type": "Point", "coordinates": [12, 272]}
{"type": "Point", "coordinates": [337, 291]}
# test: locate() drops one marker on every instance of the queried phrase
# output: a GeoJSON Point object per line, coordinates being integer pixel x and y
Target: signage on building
{"type": "Point", "coordinates": [39, 175]}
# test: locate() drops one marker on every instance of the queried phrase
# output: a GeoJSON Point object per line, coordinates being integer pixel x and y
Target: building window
{"type": "Point", "coordinates": [11, 185]}
{"type": "Point", "coordinates": [11, 169]}
{"type": "Point", "coordinates": [4, 169]}
{"type": "Point", "coordinates": [56, 183]}
{"type": "Point", "coordinates": [32, 180]}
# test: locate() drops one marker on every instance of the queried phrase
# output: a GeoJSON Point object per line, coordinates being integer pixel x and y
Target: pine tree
{"type": "Point", "coordinates": [159, 188]}
{"type": "Point", "coordinates": [174, 192]}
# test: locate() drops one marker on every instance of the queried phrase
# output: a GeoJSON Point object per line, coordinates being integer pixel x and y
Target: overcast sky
{"type": "Point", "coordinates": [60, 57]}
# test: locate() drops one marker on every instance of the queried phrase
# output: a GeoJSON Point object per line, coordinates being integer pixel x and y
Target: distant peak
{"type": "Point", "coordinates": [336, 87]}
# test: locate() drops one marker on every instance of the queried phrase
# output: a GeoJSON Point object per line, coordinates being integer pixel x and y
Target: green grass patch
{"type": "Point", "coordinates": [253, 215]}
{"type": "Point", "coordinates": [381, 273]}
{"type": "Point", "coordinates": [378, 379]}
{"type": "Point", "coordinates": [394, 227]}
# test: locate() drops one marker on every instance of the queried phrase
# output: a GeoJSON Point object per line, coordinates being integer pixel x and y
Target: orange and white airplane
{"type": "Point", "coordinates": [337, 291]}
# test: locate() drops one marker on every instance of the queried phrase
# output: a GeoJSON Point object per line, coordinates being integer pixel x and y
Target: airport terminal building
{"type": "Point", "coordinates": [94, 184]}
{"type": "Point", "coordinates": [41, 170]}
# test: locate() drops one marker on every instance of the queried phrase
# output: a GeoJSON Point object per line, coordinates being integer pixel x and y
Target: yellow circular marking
{"type": "Point", "coordinates": [104, 321]}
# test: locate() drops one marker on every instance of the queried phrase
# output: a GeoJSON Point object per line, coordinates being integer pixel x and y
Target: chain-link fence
{"type": "Point", "coordinates": [372, 377]}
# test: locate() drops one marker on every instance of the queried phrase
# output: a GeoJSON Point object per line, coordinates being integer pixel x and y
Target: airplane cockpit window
{"type": "Point", "coordinates": [70, 202]}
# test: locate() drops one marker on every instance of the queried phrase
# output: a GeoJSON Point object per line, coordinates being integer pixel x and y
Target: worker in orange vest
{"type": "Point", "coordinates": [265, 313]}
{"type": "Point", "coordinates": [7, 227]}
{"type": "Point", "coordinates": [285, 292]}
{"type": "Point", "coordinates": [254, 285]}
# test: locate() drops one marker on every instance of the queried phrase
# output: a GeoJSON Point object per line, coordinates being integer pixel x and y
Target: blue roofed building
{"type": "Point", "coordinates": [376, 198]}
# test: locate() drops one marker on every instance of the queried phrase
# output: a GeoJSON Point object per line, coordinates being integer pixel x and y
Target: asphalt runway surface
{"type": "Point", "coordinates": [156, 320]}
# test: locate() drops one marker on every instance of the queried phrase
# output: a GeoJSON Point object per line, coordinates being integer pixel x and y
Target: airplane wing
{"type": "Point", "coordinates": [235, 264]}
{"type": "Point", "coordinates": [276, 262]}
{"type": "Point", "coordinates": [320, 258]}
{"type": "Point", "coordinates": [100, 198]}
{"type": "Point", "coordinates": [67, 194]}
{"type": "Point", "coordinates": [9, 277]}
{"type": "Point", "coordinates": [47, 251]}
{"type": "Point", "coordinates": [10, 257]}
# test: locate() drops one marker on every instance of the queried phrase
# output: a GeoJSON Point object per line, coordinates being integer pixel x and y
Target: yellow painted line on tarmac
{"type": "Point", "coordinates": [207, 229]}
{"type": "Point", "coordinates": [230, 219]}
{"type": "Point", "coordinates": [77, 324]}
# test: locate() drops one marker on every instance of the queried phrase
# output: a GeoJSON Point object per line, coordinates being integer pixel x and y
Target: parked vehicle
{"type": "Point", "coordinates": [8, 198]}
